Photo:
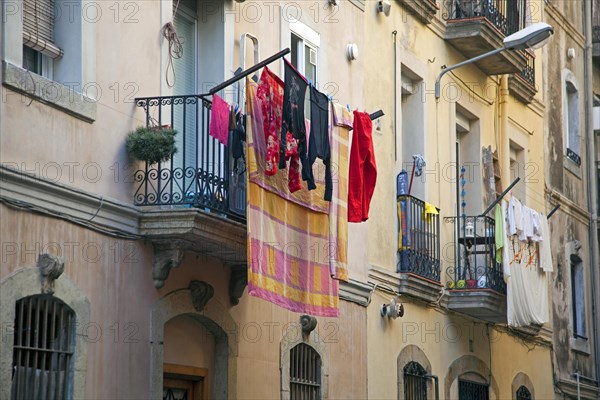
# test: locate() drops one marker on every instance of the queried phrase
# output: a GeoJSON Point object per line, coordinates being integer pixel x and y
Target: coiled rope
{"type": "Point", "coordinates": [175, 48]}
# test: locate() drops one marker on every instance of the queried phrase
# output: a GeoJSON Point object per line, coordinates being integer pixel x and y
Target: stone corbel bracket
{"type": "Point", "coordinates": [167, 255]}
{"type": "Point", "coordinates": [201, 293]}
{"type": "Point", "coordinates": [51, 267]}
{"type": "Point", "coordinates": [308, 324]}
{"type": "Point", "coordinates": [238, 280]}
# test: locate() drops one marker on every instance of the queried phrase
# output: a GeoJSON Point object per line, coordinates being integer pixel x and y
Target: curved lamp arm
{"type": "Point", "coordinates": [460, 64]}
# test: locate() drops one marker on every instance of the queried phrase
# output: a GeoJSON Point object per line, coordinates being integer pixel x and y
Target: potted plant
{"type": "Point", "coordinates": [152, 144]}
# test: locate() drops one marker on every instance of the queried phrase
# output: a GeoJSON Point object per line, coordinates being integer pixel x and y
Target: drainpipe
{"type": "Point", "coordinates": [504, 152]}
{"type": "Point", "coordinates": [591, 180]}
{"type": "Point", "coordinates": [437, 389]}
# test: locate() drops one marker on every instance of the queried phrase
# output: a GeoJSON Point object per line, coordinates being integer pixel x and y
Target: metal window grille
{"type": "Point", "coordinates": [415, 382]}
{"type": "Point", "coordinates": [305, 373]}
{"type": "Point", "coordinates": [468, 390]}
{"type": "Point", "coordinates": [523, 393]}
{"type": "Point", "coordinates": [43, 348]}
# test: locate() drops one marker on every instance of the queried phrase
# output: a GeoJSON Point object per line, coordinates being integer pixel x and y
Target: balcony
{"type": "Point", "coordinates": [418, 249]}
{"type": "Point", "coordinates": [423, 10]}
{"type": "Point", "coordinates": [475, 27]}
{"type": "Point", "coordinates": [476, 284]}
{"type": "Point", "coordinates": [196, 201]}
{"type": "Point", "coordinates": [522, 84]}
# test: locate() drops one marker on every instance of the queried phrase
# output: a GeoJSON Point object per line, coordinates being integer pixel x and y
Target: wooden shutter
{"type": "Point", "coordinates": [38, 27]}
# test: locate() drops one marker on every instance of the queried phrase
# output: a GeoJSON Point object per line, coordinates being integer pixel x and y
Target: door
{"type": "Point", "coordinates": [185, 111]}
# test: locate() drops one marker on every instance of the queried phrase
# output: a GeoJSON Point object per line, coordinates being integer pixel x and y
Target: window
{"type": "Point", "coordinates": [571, 123]}
{"type": "Point", "coordinates": [523, 393]}
{"type": "Point", "coordinates": [415, 382]}
{"type": "Point", "coordinates": [468, 390]}
{"type": "Point", "coordinates": [304, 52]}
{"type": "Point", "coordinates": [578, 297]}
{"type": "Point", "coordinates": [43, 348]}
{"type": "Point", "coordinates": [305, 373]}
{"type": "Point", "coordinates": [39, 46]}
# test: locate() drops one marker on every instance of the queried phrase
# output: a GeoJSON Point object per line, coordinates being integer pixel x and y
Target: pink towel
{"type": "Point", "coordinates": [219, 119]}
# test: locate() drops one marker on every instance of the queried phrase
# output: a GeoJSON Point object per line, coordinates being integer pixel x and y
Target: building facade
{"type": "Point", "coordinates": [120, 279]}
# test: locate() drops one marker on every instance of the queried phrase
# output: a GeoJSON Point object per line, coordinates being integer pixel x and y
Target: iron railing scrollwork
{"type": "Point", "coordinates": [475, 266]}
{"type": "Point", "coordinates": [419, 250]}
{"type": "Point", "coordinates": [507, 16]}
{"type": "Point", "coordinates": [528, 73]}
{"type": "Point", "coordinates": [198, 174]}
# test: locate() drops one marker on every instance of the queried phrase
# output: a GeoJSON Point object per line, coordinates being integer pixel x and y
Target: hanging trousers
{"type": "Point", "coordinates": [363, 170]}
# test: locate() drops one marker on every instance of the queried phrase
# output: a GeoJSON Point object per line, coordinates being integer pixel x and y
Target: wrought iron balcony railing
{"type": "Point", "coordinates": [475, 256]}
{"type": "Point", "coordinates": [507, 16]}
{"type": "Point", "coordinates": [199, 174]}
{"type": "Point", "coordinates": [419, 244]}
{"type": "Point", "coordinates": [528, 73]}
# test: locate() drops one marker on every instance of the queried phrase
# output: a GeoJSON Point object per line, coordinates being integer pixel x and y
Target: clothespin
{"type": "Point", "coordinates": [310, 82]}
{"type": "Point", "coordinates": [348, 107]}
{"type": "Point", "coordinates": [329, 97]}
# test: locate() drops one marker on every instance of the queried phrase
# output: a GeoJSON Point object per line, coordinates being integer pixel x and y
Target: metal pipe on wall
{"type": "Point", "coordinates": [591, 180]}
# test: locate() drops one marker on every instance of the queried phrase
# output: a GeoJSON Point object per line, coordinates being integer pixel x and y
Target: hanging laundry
{"type": "Point", "coordinates": [294, 92]}
{"type": "Point", "coordinates": [318, 144]}
{"type": "Point", "coordinates": [284, 179]}
{"type": "Point", "coordinates": [545, 245]}
{"type": "Point", "coordinates": [523, 263]}
{"type": "Point", "coordinates": [363, 170]}
{"type": "Point", "coordinates": [338, 210]}
{"type": "Point", "coordinates": [270, 93]}
{"type": "Point", "coordinates": [515, 218]}
{"type": "Point", "coordinates": [499, 232]}
{"type": "Point", "coordinates": [219, 119]}
{"type": "Point", "coordinates": [429, 210]}
{"type": "Point", "coordinates": [527, 285]}
{"type": "Point", "coordinates": [287, 244]}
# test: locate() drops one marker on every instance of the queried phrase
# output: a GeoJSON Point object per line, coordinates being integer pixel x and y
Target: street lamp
{"type": "Point", "coordinates": [532, 37]}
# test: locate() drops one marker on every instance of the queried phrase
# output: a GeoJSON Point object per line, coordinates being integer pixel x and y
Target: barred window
{"type": "Point", "coordinates": [305, 373]}
{"type": "Point", "coordinates": [415, 382]}
{"type": "Point", "coordinates": [468, 390]}
{"type": "Point", "coordinates": [43, 348]}
{"type": "Point", "coordinates": [523, 393]}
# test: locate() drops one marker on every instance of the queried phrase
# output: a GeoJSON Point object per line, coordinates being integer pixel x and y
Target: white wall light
{"type": "Point", "coordinates": [351, 51]}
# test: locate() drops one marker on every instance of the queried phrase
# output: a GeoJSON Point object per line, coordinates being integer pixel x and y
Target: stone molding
{"type": "Point", "coordinates": [408, 354]}
{"type": "Point", "coordinates": [291, 338]}
{"type": "Point", "coordinates": [25, 282]}
{"type": "Point", "coordinates": [407, 284]}
{"type": "Point", "coordinates": [37, 87]}
{"type": "Point", "coordinates": [469, 364]}
{"type": "Point", "coordinates": [356, 291]}
{"type": "Point", "coordinates": [522, 379]}
{"type": "Point", "coordinates": [68, 202]}
{"type": "Point", "coordinates": [216, 319]}
{"type": "Point", "coordinates": [167, 255]}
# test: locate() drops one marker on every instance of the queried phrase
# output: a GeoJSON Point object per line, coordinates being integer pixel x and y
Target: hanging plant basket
{"type": "Point", "coordinates": [152, 144]}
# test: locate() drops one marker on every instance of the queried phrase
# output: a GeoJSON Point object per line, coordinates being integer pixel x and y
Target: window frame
{"type": "Point", "coordinates": [571, 118]}
{"type": "Point", "coordinates": [523, 393]}
{"type": "Point", "coordinates": [578, 290]}
{"type": "Point", "coordinates": [418, 380]}
{"type": "Point", "coordinates": [304, 378]}
{"type": "Point", "coordinates": [473, 383]}
{"type": "Point", "coordinates": [42, 320]}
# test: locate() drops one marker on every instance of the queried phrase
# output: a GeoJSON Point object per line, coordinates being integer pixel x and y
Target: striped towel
{"type": "Point", "coordinates": [288, 244]}
{"type": "Point", "coordinates": [338, 210]}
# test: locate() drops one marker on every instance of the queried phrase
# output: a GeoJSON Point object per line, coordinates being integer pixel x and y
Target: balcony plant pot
{"type": "Point", "coordinates": [152, 144]}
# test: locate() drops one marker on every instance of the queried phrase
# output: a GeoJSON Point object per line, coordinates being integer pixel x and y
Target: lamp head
{"type": "Point", "coordinates": [532, 37]}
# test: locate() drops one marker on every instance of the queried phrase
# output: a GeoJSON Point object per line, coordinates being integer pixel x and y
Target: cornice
{"type": "Point", "coordinates": [25, 190]}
